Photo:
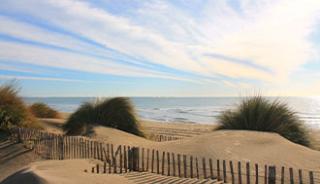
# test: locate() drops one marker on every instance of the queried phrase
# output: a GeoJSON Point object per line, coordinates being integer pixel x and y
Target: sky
{"type": "Point", "coordinates": [161, 48]}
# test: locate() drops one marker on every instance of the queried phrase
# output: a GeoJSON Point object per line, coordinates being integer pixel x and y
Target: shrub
{"type": "Point", "coordinates": [42, 110]}
{"type": "Point", "coordinates": [259, 114]}
{"type": "Point", "coordinates": [13, 111]}
{"type": "Point", "coordinates": [115, 112]}
{"type": "Point", "coordinates": [80, 120]}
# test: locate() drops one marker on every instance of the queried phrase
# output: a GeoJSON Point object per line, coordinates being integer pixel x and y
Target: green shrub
{"type": "Point", "coordinates": [13, 111]}
{"type": "Point", "coordinates": [115, 112]}
{"type": "Point", "coordinates": [42, 110]}
{"type": "Point", "coordinates": [80, 120]}
{"type": "Point", "coordinates": [259, 114]}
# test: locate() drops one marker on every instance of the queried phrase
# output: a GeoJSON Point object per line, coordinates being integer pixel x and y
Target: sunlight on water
{"type": "Point", "coordinates": [194, 110]}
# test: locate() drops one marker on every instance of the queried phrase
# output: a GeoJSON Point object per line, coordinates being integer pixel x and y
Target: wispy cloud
{"type": "Point", "coordinates": [15, 77]}
{"type": "Point", "coordinates": [264, 41]}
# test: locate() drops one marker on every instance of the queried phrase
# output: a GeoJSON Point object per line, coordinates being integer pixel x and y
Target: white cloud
{"type": "Point", "coordinates": [270, 34]}
{"type": "Point", "coordinates": [13, 77]}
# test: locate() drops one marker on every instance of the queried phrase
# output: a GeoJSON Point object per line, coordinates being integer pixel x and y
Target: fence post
{"type": "Point", "coordinates": [265, 174]}
{"type": "Point", "coordinates": [282, 175]}
{"type": "Point", "coordinates": [197, 168]}
{"type": "Point", "coordinates": [311, 177]}
{"type": "Point", "coordinates": [114, 159]}
{"type": "Point", "coordinates": [168, 158]}
{"type": "Point", "coordinates": [257, 173]}
{"type": "Point", "coordinates": [191, 166]}
{"type": "Point", "coordinates": [108, 153]}
{"type": "Point", "coordinates": [148, 151]}
{"type": "Point", "coordinates": [291, 175]}
{"type": "Point", "coordinates": [300, 177]}
{"type": "Point", "coordinates": [121, 160]}
{"type": "Point", "coordinates": [204, 168]}
{"type": "Point", "coordinates": [125, 159]}
{"type": "Point", "coordinates": [173, 164]}
{"type": "Point", "coordinates": [224, 168]}
{"type": "Point", "coordinates": [61, 147]}
{"type": "Point", "coordinates": [218, 170]}
{"type": "Point", "coordinates": [152, 161]}
{"type": "Point", "coordinates": [248, 172]}
{"type": "Point", "coordinates": [179, 165]}
{"type": "Point", "coordinates": [142, 159]}
{"type": "Point", "coordinates": [185, 165]}
{"type": "Point", "coordinates": [135, 156]}
{"type": "Point", "coordinates": [211, 168]}
{"type": "Point", "coordinates": [232, 173]}
{"type": "Point", "coordinates": [272, 175]}
{"type": "Point", "coordinates": [158, 164]}
{"type": "Point", "coordinates": [162, 162]}
{"type": "Point", "coordinates": [101, 152]}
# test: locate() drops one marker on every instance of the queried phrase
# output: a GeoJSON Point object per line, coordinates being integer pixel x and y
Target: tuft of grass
{"type": "Point", "coordinates": [78, 121]}
{"type": "Point", "coordinates": [259, 114]}
{"type": "Point", "coordinates": [42, 110]}
{"type": "Point", "coordinates": [115, 112]}
{"type": "Point", "coordinates": [13, 111]}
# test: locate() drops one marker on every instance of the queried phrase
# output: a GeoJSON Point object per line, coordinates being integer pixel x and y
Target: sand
{"type": "Point", "coordinates": [198, 140]}
{"type": "Point", "coordinates": [257, 147]}
{"type": "Point", "coordinates": [67, 171]}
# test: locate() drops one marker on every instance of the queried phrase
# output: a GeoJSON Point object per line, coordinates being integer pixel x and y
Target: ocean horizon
{"type": "Point", "coordinates": [203, 110]}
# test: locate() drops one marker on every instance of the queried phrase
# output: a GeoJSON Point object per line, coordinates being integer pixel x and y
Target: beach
{"type": "Point", "coordinates": [193, 139]}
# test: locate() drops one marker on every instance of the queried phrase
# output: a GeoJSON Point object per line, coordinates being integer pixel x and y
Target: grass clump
{"type": "Point", "coordinates": [259, 114]}
{"type": "Point", "coordinates": [115, 112]}
{"type": "Point", "coordinates": [13, 111]}
{"type": "Point", "coordinates": [42, 110]}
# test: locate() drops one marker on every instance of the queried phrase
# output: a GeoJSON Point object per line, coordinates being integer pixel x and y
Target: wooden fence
{"type": "Point", "coordinates": [125, 158]}
{"type": "Point", "coordinates": [162, 138]}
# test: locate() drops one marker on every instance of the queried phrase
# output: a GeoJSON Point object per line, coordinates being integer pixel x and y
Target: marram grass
{"type": "Point", "coordinates": [13, 111]}
{"type": "Point", "coordinates": [259, 114]}
{"type": "Point", "coordinates": [115, 113]}
{"type": "Point", "coordinates": [42, 110]}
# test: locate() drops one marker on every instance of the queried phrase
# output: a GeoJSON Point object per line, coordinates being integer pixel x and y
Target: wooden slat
{"type": "Point", "coordinates": [162, 161]}
{"type": "Point", "coordinates": [257, 173]}
{"type": "Point", "coordinates": [197, 168]}
{"type": "Point", "coordinates": [158, 164]}
{"type": "Point", "coordinates": [291, 175]}
{"type": "Point", "coordinates": [173, 164]}
{"type": "Point", "coordinates": [218, 170]}
{"type": "Point", "coordinates": [204, 167]}
{"type": "Point", "coordinates": [311, 179]}
{"type": "Point", "coordinates": [211, 168]}
{"type": "Point", "coordinates": [239, 173]}
{"type": "Point", "coordinates": [224, 168]}
{"type": "Point", "coordinates": [248, 172]}
{"type": "Point", "coordinates": [191, 166]}
{"type": "Point", "coordinates": [179, 165]}
{"type": "Point", "coordinates": [185, 166]}
{"type": "Point", "coordinates": [232, 172]}
{"type": "Point", "coordinates": [168, 168]}
{"type": "Point", "coordinates": [272, 175]}
{"type": "Point", "coordinates": [282, 175]}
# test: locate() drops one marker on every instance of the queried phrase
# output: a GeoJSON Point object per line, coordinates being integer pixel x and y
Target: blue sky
{"type": "Point", "coordinates": [161, 48]}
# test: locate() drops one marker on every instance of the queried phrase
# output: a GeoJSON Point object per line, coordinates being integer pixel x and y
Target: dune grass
{"type": "Point", "coordinates": [42, 110]}
{"type": "Point", "coordinates": [260, 114]}
{"type": "Point", "coordinates": [13, 111]}
{"type": "Point", "coordinates": [115, 113]}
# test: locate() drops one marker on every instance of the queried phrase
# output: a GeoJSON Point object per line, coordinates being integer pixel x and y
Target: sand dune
{"type": "Point", "coordinates": [67, 171]}
{"type": "Point", "coordinates": [257, 147]}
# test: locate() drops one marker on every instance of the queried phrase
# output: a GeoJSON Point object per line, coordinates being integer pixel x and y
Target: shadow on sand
{"type": "Point", "coordinates": [23, 176]}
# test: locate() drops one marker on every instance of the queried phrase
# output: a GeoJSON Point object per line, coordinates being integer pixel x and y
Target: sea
{"type": "Point", "coordinates": [203, 110]}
